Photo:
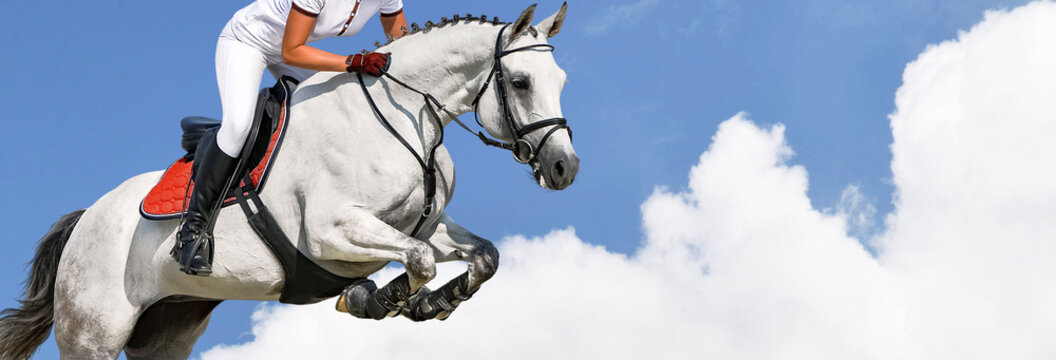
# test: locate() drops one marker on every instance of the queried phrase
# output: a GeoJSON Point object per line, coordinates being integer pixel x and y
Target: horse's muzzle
{"type": "Point", "coordinates": [560, 172]}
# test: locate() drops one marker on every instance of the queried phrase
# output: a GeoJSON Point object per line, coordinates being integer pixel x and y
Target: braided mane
{"type": "Point", "coordinates": [444, 21]}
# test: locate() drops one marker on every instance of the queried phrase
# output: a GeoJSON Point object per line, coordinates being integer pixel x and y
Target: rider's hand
{"type": "Point", "coordinates": [371, 63]}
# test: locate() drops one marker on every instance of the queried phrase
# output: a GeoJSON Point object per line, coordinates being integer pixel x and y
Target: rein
{"type": "Point", "coordinates": [523, 151]}
{"type": "Point", "coordinates": [428, 168]}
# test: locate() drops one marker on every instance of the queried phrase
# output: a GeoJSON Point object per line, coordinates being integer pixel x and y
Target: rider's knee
{"type": "Point", "coordinates": [232, 136]}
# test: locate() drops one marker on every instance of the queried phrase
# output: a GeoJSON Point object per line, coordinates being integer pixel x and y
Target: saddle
{"type": "Point", "coordinates": [305, 281]}
{"type": "Point", "coordinates": [168, 198]}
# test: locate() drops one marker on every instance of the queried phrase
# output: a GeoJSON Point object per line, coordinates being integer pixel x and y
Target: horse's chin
{"type": "Point", "coordinates": [537, 172]}
{"type": "Point", "coordinates": [540, 178]}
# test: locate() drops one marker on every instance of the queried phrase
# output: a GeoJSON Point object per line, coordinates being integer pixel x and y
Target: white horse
{"type": "Point", "coordinates": [345, 191]}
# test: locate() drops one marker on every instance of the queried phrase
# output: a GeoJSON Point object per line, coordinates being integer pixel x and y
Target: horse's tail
{"type": "Point", "coordinates": [22, 330]}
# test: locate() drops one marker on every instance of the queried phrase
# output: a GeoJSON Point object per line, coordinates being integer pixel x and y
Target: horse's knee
{"type": "Point", "coordinates": [485, 261]}
{"type": "Point", "coordinates": [420, 264]}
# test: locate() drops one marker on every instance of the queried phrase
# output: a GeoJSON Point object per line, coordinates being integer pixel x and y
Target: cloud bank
{"type": "Point", "coordinates": [739, 265]}
{"type": "Point", "coordinates": [973, 237]}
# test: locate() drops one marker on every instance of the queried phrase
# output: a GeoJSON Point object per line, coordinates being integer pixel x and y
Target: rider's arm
{"type": "Point", "coordinates": [394, 24]}
{"type": "Point", "coordinates": [295, 51]}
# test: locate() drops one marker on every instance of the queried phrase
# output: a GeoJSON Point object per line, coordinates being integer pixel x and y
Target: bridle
{"type": "Point", "coordinates": [523, 151]}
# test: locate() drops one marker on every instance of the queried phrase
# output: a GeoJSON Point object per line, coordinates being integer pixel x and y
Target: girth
{"type": "Point", "coordinates": [305, 281]}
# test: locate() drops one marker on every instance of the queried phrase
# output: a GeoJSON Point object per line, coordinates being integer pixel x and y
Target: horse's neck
{"type": "Point", "coordinates": [450, 62]}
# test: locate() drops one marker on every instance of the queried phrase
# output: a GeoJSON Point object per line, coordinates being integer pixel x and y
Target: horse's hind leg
{"type": "Point", "coordinates": [169, 329]}
{"type": "Point", "coordinates": [454, 243]}
{"type": "Point", "coordinates": [91, 326]}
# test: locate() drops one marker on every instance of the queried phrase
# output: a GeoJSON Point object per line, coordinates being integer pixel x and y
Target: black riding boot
{"type": "Point", "coordinates": [194, 243]}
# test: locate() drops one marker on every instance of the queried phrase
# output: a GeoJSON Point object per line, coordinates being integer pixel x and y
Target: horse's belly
{"type": "Point", "coordinates": [244, 267]}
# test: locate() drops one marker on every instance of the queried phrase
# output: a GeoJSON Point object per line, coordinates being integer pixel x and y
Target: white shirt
{"type": "Point", "coordinates": [262, 23]}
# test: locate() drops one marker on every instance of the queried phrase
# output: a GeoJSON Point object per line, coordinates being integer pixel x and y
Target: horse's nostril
{"type": "Point", "coordinates": [559, 168]}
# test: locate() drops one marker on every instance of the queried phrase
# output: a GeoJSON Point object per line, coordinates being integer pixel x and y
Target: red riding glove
{"type": "Point", "coordinates": [371, 63]}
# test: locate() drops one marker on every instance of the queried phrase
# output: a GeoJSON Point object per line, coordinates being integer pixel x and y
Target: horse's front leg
{"type": "Point", "coordinates": [454, 242]}
{"type": "Point", "coordinates": [358, 236]}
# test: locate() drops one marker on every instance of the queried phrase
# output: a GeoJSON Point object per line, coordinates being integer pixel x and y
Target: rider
{"type": "Point", "coordinates": [272, 35]}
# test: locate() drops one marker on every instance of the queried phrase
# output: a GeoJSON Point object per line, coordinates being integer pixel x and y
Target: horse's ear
{"type": "Point", "coordinates": [552, 25]}
{"type": "Point", "coordinates": [522, 23]}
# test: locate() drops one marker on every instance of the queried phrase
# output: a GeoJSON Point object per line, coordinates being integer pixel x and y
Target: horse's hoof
{"type": "Point", "coordinates": [355, 298]}
{"type": "Point", "coordinates": [340, 306]}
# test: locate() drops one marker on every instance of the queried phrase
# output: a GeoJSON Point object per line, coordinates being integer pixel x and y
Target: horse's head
{"type": "Point", "coordinates": [523, 105]}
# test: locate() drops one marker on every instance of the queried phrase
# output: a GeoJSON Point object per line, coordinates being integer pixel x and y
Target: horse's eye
{"type": "Point", "coordinates": [520, 82]}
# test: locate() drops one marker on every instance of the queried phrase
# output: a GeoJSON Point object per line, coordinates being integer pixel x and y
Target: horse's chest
{"type": "Point", "coordinates": [408, 197]}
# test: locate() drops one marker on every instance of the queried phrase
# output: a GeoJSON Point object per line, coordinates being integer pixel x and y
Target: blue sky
{"type": "Point", "coordinates": [96, 91]}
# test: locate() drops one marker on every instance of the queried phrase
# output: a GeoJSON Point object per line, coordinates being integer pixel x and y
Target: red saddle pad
{"type": "Point", "coordinates": [168, 199]}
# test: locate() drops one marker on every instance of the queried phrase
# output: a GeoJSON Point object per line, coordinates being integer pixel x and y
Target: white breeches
{"type": "Point", "coordinates": [239, 68]}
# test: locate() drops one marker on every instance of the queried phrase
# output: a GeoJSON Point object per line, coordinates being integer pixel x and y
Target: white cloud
{"type": "Point", "coordinates": [617, 14]}
{"type": "Point", "coordinates": [739, 265]}
{"type": "Point", "coordinates": [972, 236]}
{"type": "Point", "coordinates": [859, 211]}
{"type": "Point", "coordinates": [724, 263]}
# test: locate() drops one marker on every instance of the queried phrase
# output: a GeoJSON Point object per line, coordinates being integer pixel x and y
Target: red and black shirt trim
{"type": "Point", "coordinates": [400, 11]}
{"type": "Point", "coordinates": [303, 11]}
